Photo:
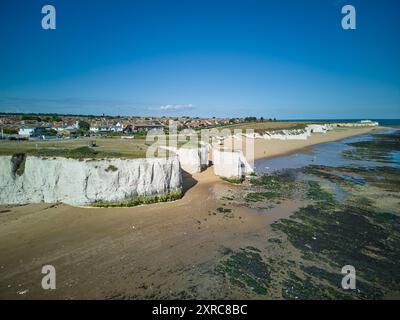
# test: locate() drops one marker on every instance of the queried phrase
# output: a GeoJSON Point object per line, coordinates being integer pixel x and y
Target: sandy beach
{"type": "Point", "coordinates": [166, 250]}
{"type": "Point", "coordinates": [141, 252]}
{"type": "Point", "coordinates": [273, 148]}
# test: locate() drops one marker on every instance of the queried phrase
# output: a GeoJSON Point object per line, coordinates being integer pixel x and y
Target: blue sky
{"type": "Point", "coordinates": [284, 59]}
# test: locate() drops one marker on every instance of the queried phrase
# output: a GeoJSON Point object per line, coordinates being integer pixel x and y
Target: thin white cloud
{"type": "Point", "coordinates": [177, 106]}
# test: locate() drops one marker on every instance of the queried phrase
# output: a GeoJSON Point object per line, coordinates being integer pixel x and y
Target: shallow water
{"type": "Point", "coordinates": [326, 154]}
{"type": "Point", "coordinates": [338, 192]}
{"type": "Point", "coordinates": [395, 156]}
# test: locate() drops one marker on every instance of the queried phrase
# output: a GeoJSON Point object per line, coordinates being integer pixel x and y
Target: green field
{"type": "Point", "coordinates": [111, 147]}
{"type": "Point", "coordinates": [114, 146]}
{"type": "Point", "coordinates": [78, 148]}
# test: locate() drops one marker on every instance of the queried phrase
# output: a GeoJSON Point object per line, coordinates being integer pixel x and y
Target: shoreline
{"type": "Point", "coordinates": [278, 148]}
{"type": "Point", "coordinates": [142, 252]}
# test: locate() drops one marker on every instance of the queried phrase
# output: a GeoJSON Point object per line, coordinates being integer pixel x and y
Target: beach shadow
{"type": "Point", "coordinates": [188, 181]}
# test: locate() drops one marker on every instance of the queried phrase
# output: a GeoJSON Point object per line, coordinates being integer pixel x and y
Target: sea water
{"type": "Point", "coordinates": [325, 154]}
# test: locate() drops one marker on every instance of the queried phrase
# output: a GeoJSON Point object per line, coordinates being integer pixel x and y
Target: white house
{"type": "Point", "coordinates": [117, 128]}
{"type": "Point", "coordinates": [94, 129]}
{"type": "Point", "coordinates": [25, 132]}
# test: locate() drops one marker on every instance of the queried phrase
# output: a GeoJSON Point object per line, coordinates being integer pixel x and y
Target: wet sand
{"type": "Point", "coordinates": [166, 250]}
{"type": "Point", "coordinates": [153, 251]}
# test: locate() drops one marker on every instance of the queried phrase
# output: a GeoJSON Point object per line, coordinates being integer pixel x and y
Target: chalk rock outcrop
{"type": "Point", "coordinates": [230, 164]}
{"type": "Point", "coordinates": [192, 159]}
{"type": "Point", "coordinates": [80, 182]}
{"type": "Point", "coordinates": [362, 123]}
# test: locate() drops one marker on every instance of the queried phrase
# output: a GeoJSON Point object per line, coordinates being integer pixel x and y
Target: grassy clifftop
{"type": "Point", "coordinates": [77, 148]}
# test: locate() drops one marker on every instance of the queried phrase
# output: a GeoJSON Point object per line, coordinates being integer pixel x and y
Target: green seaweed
{"type": "Point", "coordinates": [315, 193]}
{"type": "Point", "coordinates": [234, 180]}
{"type": "Point", "coordinates": [170, 196]}
{"type": "Point", "coordinates": [245, 268]}
{"type": "Point", "coordinates": [271, 187]}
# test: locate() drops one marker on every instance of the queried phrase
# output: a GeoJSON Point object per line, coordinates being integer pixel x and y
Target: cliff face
{"type": "Point", "coordinates": [230, 164]}
{"type": "Point", "coordinates": [192, 159]}
{"type": "Point", "coordinates": [80, 182]}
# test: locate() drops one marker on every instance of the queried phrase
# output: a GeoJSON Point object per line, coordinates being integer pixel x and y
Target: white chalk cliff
{"type": "Point", "coordinates": [80, 182]}
{"type": "Point", "coordinates": [230, 164]}
{"type": "Point", "coordinates": [304, 134]}
{"type": "Point", "coordinates": [192, 159]}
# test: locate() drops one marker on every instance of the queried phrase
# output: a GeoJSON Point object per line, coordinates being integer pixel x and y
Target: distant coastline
{"type": "Point", "coordinates": [264, 149]}
{"type": "Point", "coordinates": [382, 122]}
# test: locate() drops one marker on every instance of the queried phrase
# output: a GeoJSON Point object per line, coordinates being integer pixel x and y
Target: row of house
{"type": "Point", "coordinates": [47, 130]}
{"type": "Point", "coordinates": [125, 128]}
{"type": "Point", "coordinates": [34, 125]}
{"type": "Point", "coordinates": [70, 129]}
